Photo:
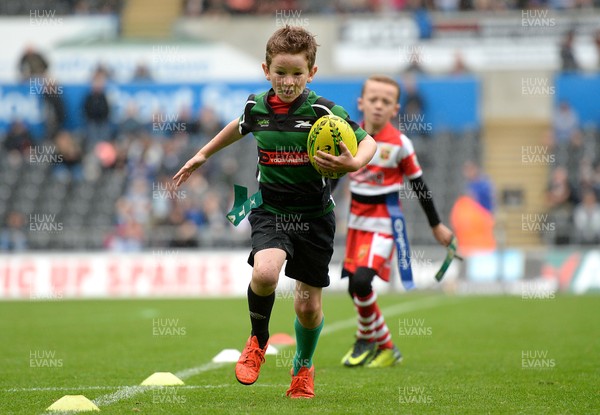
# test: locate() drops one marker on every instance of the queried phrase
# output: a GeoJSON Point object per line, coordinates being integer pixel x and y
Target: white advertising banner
{"type": "Point", "coordinates": [104, 275]}
{"type": "Point", "coordinates": [159, 274]}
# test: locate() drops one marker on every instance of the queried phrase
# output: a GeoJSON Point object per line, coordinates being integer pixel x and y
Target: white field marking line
{"type": "Point", "coordinates": [386, 312]}
{"type": "Point", "coordinates": [127, 392]}
{"type": "Point", "coordinates": [84, 388]}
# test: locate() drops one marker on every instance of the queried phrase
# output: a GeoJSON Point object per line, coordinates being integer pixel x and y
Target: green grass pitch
{"type": "Point", "coordinates": [462, 355]}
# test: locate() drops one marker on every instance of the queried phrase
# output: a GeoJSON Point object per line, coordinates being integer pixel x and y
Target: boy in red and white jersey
{"type": "Point", "coordinates": [375, 197]}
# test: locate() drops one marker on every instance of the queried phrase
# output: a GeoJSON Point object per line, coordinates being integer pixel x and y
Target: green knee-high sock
{"type": "Point", "coordinates": [306, 343]}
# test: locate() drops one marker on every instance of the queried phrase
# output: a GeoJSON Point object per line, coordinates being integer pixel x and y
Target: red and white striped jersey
{"type": "Point", "coordinates": [394, 159]}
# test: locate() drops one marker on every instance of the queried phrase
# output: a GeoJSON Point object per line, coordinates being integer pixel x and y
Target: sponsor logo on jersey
{"type": "Point", "coordinates": [263, 122]}
{"type": "Point", "coordinates": [302, 124]}
{"type": "Point", "coordinates": [283, 158]}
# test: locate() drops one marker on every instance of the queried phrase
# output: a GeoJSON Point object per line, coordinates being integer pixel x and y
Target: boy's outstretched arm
{"type": "Point", "coordinates": [440, 231]}
{"type": "Point", "coordinates": [345, 163]}
{"type": "Point", "coordinates": [228, 135]}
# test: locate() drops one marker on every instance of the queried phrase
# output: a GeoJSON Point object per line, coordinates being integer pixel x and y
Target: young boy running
{"type": "Point", "coordinates": [292, 191]}
{"type": "Point", "coordinates": [370, 240]}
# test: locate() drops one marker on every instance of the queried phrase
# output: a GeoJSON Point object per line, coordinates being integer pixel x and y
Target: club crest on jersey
{"type": "Point", "coordinates": [363, 250]}
{"type": "Point", "coordinates": [385, 152]}
{"type": "Point", "coordinates": [302, 124]}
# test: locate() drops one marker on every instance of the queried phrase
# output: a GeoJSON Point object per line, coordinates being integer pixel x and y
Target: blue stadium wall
{"type": "Point", "coordinates": [451, 103]}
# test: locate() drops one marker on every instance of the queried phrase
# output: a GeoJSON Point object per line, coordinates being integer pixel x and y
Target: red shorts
{"type": "Point", "coordinates": [369, 249]}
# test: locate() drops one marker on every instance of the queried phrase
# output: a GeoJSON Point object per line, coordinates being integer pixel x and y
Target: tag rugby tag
{"type": "Point", "coordinates": [242, 204]}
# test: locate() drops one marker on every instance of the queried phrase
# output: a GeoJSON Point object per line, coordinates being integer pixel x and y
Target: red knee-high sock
{"type": "Point", "coordinates": [371, 324]}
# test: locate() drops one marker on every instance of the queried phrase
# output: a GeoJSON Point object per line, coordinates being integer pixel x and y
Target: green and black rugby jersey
{"type": "Point", "coordinates": [287, 180]}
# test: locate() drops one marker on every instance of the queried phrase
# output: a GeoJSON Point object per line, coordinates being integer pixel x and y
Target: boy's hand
{"type": "Point", "coordinates": [442, 234]}
{"type": "Point", "coordinates": [188, 168]}
{"type": "Point", "coordinates": [343, 163]}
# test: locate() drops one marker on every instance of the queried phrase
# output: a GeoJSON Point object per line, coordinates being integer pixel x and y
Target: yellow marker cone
{"type": "Point", "coordinates": [162, 379]}
{"type": "Point", "coordinates": [77, 403]}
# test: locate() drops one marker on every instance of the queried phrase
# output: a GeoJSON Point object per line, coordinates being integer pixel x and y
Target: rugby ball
{"type": "Point", "coordinates": [325, 135]}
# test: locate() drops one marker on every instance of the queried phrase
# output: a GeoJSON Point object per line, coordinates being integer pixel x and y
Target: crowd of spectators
{"type": "Point", "coordinates": [266, 7]}
{"type": "Point", "coordinates": [204, 7]}
{"type": "Point", "coordinates": [61, 7]}
{"type": "Point", "coordinates": [573, 191]}
{"type": "Point", "coordinates": [145, 150]}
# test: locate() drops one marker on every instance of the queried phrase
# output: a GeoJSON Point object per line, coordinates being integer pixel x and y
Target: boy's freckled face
{"type": "Point", "coordinates": [289, 75]}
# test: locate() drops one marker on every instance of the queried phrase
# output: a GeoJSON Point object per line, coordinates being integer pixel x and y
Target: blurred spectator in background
{"type": "Point", "coordinates": [240, 6]}
{"type": "Point", "coordinates": [567, 56]}
{"type": "Point", "coordinates": [32, 64]}
{"type": "Point", "coordinates": [560, 199]}
{"type": "Point", "coordinates": [186, 236]}
{"type": "Point", "coordinates": [142, 73]}
{"type": "Point", "coordinates": [478, 185]}
{"type": "Point", "coordinates": [586, 218]}
{"type": "Point", "coordinates": [566, 125]}
{"type": "Point", "coordinates": [414, 63]}
{"type": "Point", "coordinates": [128, 237]}
{"type": "Point", "coordinates": [459, 67]}
{"type": "Point", "coordinates": [102, 70]}
{"type": "Point", "coordinates": [53, 107]}
{"type": "Point", "coordinates": [138, 199]}
{"type": "Point", "coordinates": [18, 139]}
{"type": "Point", "coordinates": [185, 232]}
{"type": "Point", "coordinates": [412, 111]}
{"type": "Point", "coordinates": [12, 235]}
{"type": "Point", "coordinates": [446, 5]}
{"type": "Point", "coordinates": [207, 125]}
{"type": "Point", "coordinates": [596, 178]}
{"type": "Point", "coordinates": [71, 157]}
{"type": "Point", "coordinates": [597, 43]}
{"type": "Point", "coordinates": [472, 215]}
{"type": "Point", "coordinates": [130, 126]}
{"type": "Point", "coordinates": [97, 113]}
